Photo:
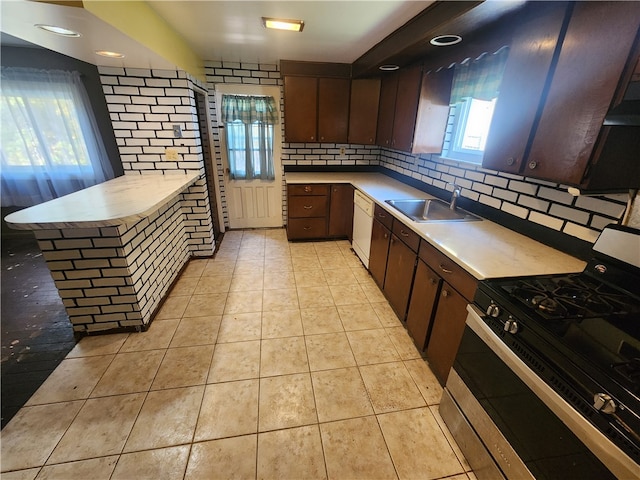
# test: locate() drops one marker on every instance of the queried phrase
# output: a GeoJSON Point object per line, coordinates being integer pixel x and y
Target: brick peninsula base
{"type": "Point", "coordinates": [114, 277]}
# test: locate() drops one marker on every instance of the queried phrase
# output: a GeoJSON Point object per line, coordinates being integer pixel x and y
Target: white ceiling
{"type": "Point", "coordinates": [229, 30]}
{"type": "Point", "coordinates": [334, 31]}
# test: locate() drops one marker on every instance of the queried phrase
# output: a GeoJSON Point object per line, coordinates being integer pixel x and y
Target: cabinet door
{"type": "Point", "coordinates": [424, 296]}
{"type": "Point", "coordinates": [333, 109]}
{"type": "Point", "coordinates": [380, 236]}
{"type": "Point", "coordinates": [341, 211]}
{"type": "Point", "coordinates": [386, 111]}
{"type": "Point", "coordinates": [398, 280]}
{"type": "Point", "coordinates": [406, 108]}
{"type": "Point", "coordinates": [300, 109]}
{"type": "Point", "coordinates": [446, 333]}
{"type": "Point", "coordinates": [594, 53]}
{"type": "Point", "coordinates": [363, 114]}
{"type": "Point", "coordinates": [433, 112]}
{"type": "Point", "coordinates": [523, 81]}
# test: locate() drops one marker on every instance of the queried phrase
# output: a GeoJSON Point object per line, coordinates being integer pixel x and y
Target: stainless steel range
{"type": "Point", "coordinates": [546, 382]}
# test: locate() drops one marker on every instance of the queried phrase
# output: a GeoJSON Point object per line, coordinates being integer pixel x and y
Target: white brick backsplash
{"type": "Point", "coordinates": [533, 203]}
{"type": "Point", "coordinates": [546, 220]}
{"type": "Point", "coordinates": [600, 205]}
{"type": "Point", "coordinates": [572, 214]}
{"type": "Point", "coordinates": [515, 210]}
{"type": "Point", "coordinates": [523, 187]}
{"type": "Point", "coordinates": [581, 232]}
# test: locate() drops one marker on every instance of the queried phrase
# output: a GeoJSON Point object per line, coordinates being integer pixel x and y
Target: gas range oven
{"type": "Point", "coordinates": [546, 382]}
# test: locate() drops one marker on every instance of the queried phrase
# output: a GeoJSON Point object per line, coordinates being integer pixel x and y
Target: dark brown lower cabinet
{"type": "Point", "coordinates": [341, 211]}
{"type": "Point", "coordinates": [401, 264]}
{"type": "Point", "coordinates": [448, 326]}
{"type": "Point", "coordinates": [380, 237]}
{"type": "Point", "coordinates": [424, 296]}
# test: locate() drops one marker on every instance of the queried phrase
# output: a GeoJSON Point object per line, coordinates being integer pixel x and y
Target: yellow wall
{"type": "Point", "coordinates": [139, 21]}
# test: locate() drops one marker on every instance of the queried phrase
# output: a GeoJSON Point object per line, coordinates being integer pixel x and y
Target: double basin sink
{"type": "Point", "coordinates": [431, 210]}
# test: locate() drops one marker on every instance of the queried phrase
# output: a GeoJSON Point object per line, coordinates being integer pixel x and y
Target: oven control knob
{"type": "Point", "coordinates": [511, 325]}
{"type": "Point", "coordinates": [604, 403]}
{"type": "Point", "coordinates": [493, 310]}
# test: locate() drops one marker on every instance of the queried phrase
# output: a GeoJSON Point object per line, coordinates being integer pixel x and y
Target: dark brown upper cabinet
{"type": "Point", "coordinates": [301, 109]}
{"type": "Point", "coordinates": [333, 109]}
{"type": "Point", "coordinates": [433, 111]}
{"type": "Point", "coordinates": [399, 96]}
{"type": "Point", "coordinates": [566, 70]}
{"type": "Point", "coordinates": [363, 111]}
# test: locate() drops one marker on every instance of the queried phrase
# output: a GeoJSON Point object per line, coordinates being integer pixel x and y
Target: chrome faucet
{"type": "Point", "coordinates": [457, 191]}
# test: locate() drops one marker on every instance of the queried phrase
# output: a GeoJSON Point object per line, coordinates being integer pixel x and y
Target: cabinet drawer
{"type": "Point", "coordinates": [300, 228]}
{"type": "Point", "coordinates": [407, 235]}
{"type": "Point", "coordinates": [308, 189]}
{"type": "Point", "coordinates": [450, 271]}
{"type": "Point", "coordinates": [383, 216]}
{"type": "Point", "coordinates": [303, 207]}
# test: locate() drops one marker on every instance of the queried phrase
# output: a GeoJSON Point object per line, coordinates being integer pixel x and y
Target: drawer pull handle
{"type": "Point", "coordinates": [445, 270]}
{"type": "Point", "coordinates": [306, 228]}
{"type": "Point", "coordinates": [382, 215]}
{"type": "Point", "coordinates": [307, 189]}
{"type": "Point", "coordinates": [307, 207]}
{"type": "Point", "coordinates": [403, 233]}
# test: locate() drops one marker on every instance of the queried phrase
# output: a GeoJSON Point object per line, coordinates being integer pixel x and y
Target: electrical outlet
{"type": "Point", "coordinates": [342, 151]}
{"type": "Point", "coordinates": [177, 131]}
{"type": "Point", "coordinates": [171, 153]}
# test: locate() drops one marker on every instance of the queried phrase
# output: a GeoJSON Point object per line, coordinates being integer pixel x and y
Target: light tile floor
{"type": "Point", "coordinates": [272, 361]}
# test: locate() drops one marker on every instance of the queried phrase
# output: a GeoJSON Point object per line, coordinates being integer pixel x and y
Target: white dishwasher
{"type": "Point", "coordinates": [362, 223]}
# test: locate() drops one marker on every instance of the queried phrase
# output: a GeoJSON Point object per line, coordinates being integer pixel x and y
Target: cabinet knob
{"type": "Point", "coordinates": [433, 281]}
{"type": "Point", "coordinates": [321, 138]}
{"type": "Point", "coordinates": [533, 164]}
{"type": "Point", "coordinates": [510, 161]}
{"type": "Point", "coordinates": [307, 189]}
{"type": "Point", "coordinates": [312, 137]}
{"type": "Point", "coordinates": [445, 293]}
{"type": "Point", "coordinates": [386, 235]}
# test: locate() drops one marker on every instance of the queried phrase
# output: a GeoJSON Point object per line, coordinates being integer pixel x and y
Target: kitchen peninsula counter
{"type": "Point", "coordinates": [484, 248]}
{"type": "Point", "coordinates": [114, 249]}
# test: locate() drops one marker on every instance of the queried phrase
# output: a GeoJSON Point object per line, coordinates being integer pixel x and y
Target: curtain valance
{"type": "Point", "coordinates": [479, 78]}
{"type": "Point", "coordinates": [249, 109]}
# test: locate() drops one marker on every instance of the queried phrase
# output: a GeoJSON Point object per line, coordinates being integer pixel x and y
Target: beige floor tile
{"type": "Point", "coordinates": [185, 285]}
{"type": "Point", "coordinates": [33, 433]}
{"type": "Point", "coordinates": [247, 283]}
{"type": "Point", "coordinates": [158, 336]}
{"type": "Point", "coordinates": [161, 464]}
{"type": "Point", "coordinates": [196, 331]}
{"type": "Point", "coordinates": [340, 276]}
{"type": "Point", "coordinates": [228, 409]}
{"type": "Point", "coordinates": [306, 262]}
{"type": "Point", "coordinates": [213, 284]}
{"type": "Point", "coordinates": [226, 459]}
{"type": "Point", "coordinates": [329, 350]}
{"type": "Point", "coordinates": [449, 437]}
{"type": "Point", "coordinates": [240, 327]}
{"type": "Point", "coordinates": [391, 387]}
{"type": "Point", "coordinates": [276, 278]}
{"type": "Point", "coordinates": [27, 474]}
{"type": "Point", "coordinates": [403, 343]}
{"type": "Point", "coordinates": [321, 320]}
{"type": "Point", "coordinates": [303, 249]}
{"type": "Point", "coordinates": [340, 394]}
{"type": "Point", "coordinates": [348, 294]}
{"type": "Point", "coordinates": [249, 268]}
{"type": "Point", "coordinates": [314, 297]}
{"type": "Point", "coordinates": [358, 317]}
{"type": "Point", "coordinates": [282, 356]}
{"type": "Point", "coordinates": [281, 323]}
{"type": "Point", "coordinates": [173, 307]}
{"type": "Point", "coordinates": [206, 305]}
{"type": "Point", "coordinates": [282, 265]}
{"type": "Point", "coordinates": [285, 402]}
{"type": "Point", "coordinates": [312, 277]}
{"type": "Point", "coordinates": [281, 299]}
{"type": "Point", "coordinates": [235, 361]}
{"type": "Point", "coordinates": [73, 379]}
{"type": "Point", "coordinates": [129, 373]}
{"type": "Point", "coordinates": [385, 313]}
{"type": "Point", "coordinates": [372, 292]}
{"type": "Point", "coordinates": [426, 381]}
{"type": "Point", "coordinates": [372, 346]}
{"type": "Point", "coordinates": [243, 302]}
{"type": "Point", "coordinates": [98, 345]}
{"type": "Point", "coordinates": [95, 469]}
{"type": "Point", "coordinates": [100, 429]}
{"type": "Point", "coordinates": [194, 268]}
{"type": "Point", "coordinates": [355, 449]}
{"type": "Point", "coordinates": [223, 266]}
{"type": "Point", "coordinates": [294, 453]}
{"type": "Point", "coordinates": [184, 367]}
{"type": "Point", "coordinates": [418, 448]}
{"type": "Point", "coordinates": [332, 262]}
{"type": "Point", "coordinates": [362, 275]}
{"type": "Point", "coordinates": [168, 417]}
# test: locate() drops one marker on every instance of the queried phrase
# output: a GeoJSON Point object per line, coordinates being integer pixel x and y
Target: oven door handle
{"type": "Point", "coordinates": [615, 459]}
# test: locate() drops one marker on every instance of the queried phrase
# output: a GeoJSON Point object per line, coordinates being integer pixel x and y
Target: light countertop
{"type": "Point", "coordinates": [484, 249]}
{"type": "Point", "coordinates": [119, 201]}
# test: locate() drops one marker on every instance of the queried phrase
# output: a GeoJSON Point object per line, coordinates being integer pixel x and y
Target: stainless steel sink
{"type": "Point", "coordinates": [422, 210]}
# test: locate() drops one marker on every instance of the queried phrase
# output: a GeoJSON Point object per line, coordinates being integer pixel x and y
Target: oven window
{"type": "Point", "coordinates": [546, 446]}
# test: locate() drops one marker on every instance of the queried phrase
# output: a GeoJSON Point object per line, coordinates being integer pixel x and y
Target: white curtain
{"type": "Point", "coordinates": [51, 145]}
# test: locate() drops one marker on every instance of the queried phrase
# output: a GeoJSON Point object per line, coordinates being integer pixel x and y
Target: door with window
{"type": "Point", "coordinates": [251, 138]}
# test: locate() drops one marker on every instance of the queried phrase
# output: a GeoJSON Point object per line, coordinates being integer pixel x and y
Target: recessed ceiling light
{"type": "Point", "coordinates": [388, 68]}
{"type": "Point", "coordinates": [65, 32]}
{"type": "Point", "coordinates": [445, 40]}
{"type": "Point", "coordinates": [282, 24]}
{"type": "Point", "coordinates": [108, 54]}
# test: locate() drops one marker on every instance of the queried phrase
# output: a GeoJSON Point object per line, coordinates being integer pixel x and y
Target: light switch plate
{"type": "Point", "coordinates": [171, 153]}
{"type": "Point", "coordinates": [177, 131]}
